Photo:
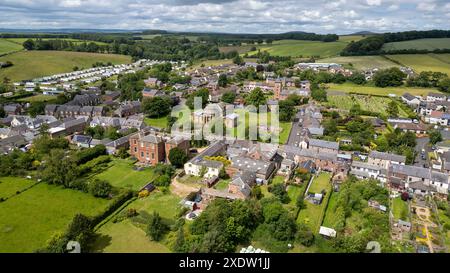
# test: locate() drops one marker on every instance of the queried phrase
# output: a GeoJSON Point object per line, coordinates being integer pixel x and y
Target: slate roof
{"type": "Point", "coordinates": [387, 156]}
{"type": "Point", "coordinates": [324, 144]}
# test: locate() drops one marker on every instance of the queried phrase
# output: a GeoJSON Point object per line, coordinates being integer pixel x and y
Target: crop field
{"type": "Point", "coordinates": [29, 219]}
{"type": "Point", "coordinates": [121, 174]}
{"type": "Point", "coordinates": [129, 236]}
{"type": "Point", "coordinates": [420, 44]}
{"type": "Point", "coordinates": [367, 103]}
{"type": "Point", "coordinates": [35, 64]}
{"type": "Point", "coordinates": [361, 62]}
{"type": "Point", "coordinates": [7, 46]}
{"type": "Point", "coordinates": [424, 62]}
{"type": "Point", "coordinates": [373, 90]}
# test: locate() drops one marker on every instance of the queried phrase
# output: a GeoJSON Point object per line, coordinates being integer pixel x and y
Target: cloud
{"type": "Point", "coordinates": [257, 16]}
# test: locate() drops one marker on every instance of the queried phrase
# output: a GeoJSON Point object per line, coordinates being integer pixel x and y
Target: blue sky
{"type": "Point", "coordinates": [237, 16]}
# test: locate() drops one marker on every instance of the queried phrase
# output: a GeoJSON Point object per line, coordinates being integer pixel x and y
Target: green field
{"type": "Point", "coordinates": [373, 90]}
{"type": "Point", "coordinates": [10, 185]}
{"type": "Point", "coordinates": [368, 103]}
{"type": "Point", "coordinates": [400, 209]}
{"type": "Point", "coordinates": [35, 64]}
{"type": "Point", "coordinates": [8, 46]}
{"type": "Point", "coordinates": [20, 41]}
{"type": "Point", "coordinates": [156, 122]}
{"type": "Point", "coordinates": [285, 130]}
{"type": "Point", "coordinates": [129, 237]}
{"type": "Point", "coordinates": [121, 174]}
{"type": "Point", "coordinates": [361, 62]}
{"type": "Point", "coordinates": [312, 214]}
{"type": "Point", "coordinates": [424, 62]}
{"type": "Point", "coordinates": [420, 44]}
{"type": "Point", "coordinates": [29, 219]}
{"type": "Point", "coordinates": [331, 218]}
{"type": "Point", "coordinates": [38, 98]}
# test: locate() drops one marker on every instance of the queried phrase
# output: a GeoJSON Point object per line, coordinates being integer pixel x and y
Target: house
{"type": "Point", "coordinates": [437, 117]}
{"type": "Point", "coordinates": [242, 184]}
{"type": "Point", "coordinates": [420, 180]}
{"type": "Point", "coordinates": [263, 169]}
{"type": "Point", "coordinates": [12, 109]}
{"type": "Point", "coordinates": [231, 120]}
{"type": "Point", "coordinates": [151, 93]}
{"type": "Point", "coordinates": [114, 146]}
{"type": "Point", "coordinates": [128, 109]}
{"type": "Point", "coordinates": [82, 141]}
{"type": "Point", "coordinates": [85, 100]}
{"type": "Point", "coordinates": [110, 96]}
{"type": "Point", "coordinates": [199, 166]}
{"type": "Point", "coordinates": [364, 170]}
{"type": "Point", "coordinates": [50, 109]}
{"type": "Point", "coordinates": [152, 82]}
{"type": "Point", "coordinates": [148, 149]}
{"type": "Point", "coordinates": [410, 100]}
{"type": "Point", "coordinates": [11, 143]}
{"type": "Point", "coordinates": [323, 146]}
{"type": "Point", "coordinates": [384, 160]}
{"type": "Point", "coordinates": [176, 142]}
{"type": "Point", "coordinates": [74, 125]}
{"type": "Point", "coordinates": [417, 128]}
{"type": "Point", "coordinates": [436, 97]}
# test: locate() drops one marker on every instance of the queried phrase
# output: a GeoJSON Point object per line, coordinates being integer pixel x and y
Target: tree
{"type": "Point", "coordinates": [223, 80]}
{"type": "Point", "coordinates": [80, 230]}
{"type": "Point", "coordinates": [238, 60]}
{"type": "Point", "coordinates": [444, 85]}
{"type": "Point", "coordinates": [280, 192]}
{"type": "Point", "coordinates": [156, 228]}
{"type": "Point", "coordinates": [392, 109]}
{"type": "Point", "coordinates": [157, 106]}
{"type": "Point", "coordinates": [99, 188]}
{"type": "Point", "coordinates": [177, 157]}
{"type": "Point", "coordinates": [162, 181]}
{"type": "Point", "coordinates": [435, 136]}
{"type": "Point", "coordinates": [229, 97]}
{"type": "Point", "coordinates": [357, 78]}
{"type": "Point", "coordinates": [179, 243]}
{"type": "Point", "coordinates": [389, 77]}
{"type": "Point", "coordinates": [304, 235]}
{"type": "Point", "coordinates": [287, 110]}
{"type": "Point", "coordinates": [201, 93]}
{"type": "Point", "coordinates": [29, 44]}
{"type": "Point", "coordinates": [256, 97]}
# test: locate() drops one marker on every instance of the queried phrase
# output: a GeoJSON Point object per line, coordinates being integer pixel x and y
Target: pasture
{"type": "Point", "coordinates": [373, 90]}
{"type": "Point", "coordinates": [420, 44]}
{"type": "Point", "coordinates": [35, 64]}
{"type": "Point", "coordinates": [34, 216]}
{"type": "Point", "coordinates": [368, 103]}
{"type": "Point", "coordinates": [128, 236]}
{"type": "Point", "coordinates": [121, 174]}
{"type": "Point", "coordinates": [424, 62]}
{"type": "Point", "coordinates": [361, 62]}
{"type": "Point", "coordinates": [7, 46]}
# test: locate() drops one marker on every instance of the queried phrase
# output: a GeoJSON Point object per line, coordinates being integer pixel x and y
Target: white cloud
{"type": "Point", "coordinates": [373, 2]}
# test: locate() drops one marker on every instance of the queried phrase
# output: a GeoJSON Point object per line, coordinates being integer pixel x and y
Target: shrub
{"type": "Point", "coordinates": [99, 188]}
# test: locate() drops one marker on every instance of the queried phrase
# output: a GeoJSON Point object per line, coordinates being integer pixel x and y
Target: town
{"type": "Point", "coordinates": [223, 153]}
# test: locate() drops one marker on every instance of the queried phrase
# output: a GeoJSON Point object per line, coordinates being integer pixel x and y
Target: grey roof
{"type": "Point", "coordinates": [387, 156]}
{"type": "Point", "coordinates": [324, 144]}
{"type": "Point", "coordinates": [73, 122]}
{"type": "Point", "coordinates": [81, 139]}
{"type": "Point", "coordinates": [252, 165]}
{"type": "Point", "coordinates": [152, 139]}
{"type": "Point", "coordinates": [408, 96]}
{"type": "Point", "coordinates": [365, 165]}
{"type": "Point", "coordinates": [415, 171]}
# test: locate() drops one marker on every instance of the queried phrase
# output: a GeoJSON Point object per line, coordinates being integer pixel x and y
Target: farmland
{"type": "Point", "coordinates": [35, 64]}
{"type": "Point", "coordinates": [129, 235]}
{"type": "Point", "coordinates": [32, 217]}
{"type": "Point", "coordinates": [373, 90]}
{"type": "Point", "coordinates": [424, 62]}
{"type": "Point", "coordinates": [368, 103]}
{"type": "Point", "coordinates": [420, 44]}
{"type": "Point", "coordinates": [8, 46]}
{"type": "Point", "coordinates": [121, 174]}
{"type": "Point", "coordinates": [362, 62]}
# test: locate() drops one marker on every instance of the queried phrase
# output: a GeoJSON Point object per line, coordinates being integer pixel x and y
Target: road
{"type": "Point", "coordinates": [422, 143]}
{"type": "Point", "coordinates": [296, 129]}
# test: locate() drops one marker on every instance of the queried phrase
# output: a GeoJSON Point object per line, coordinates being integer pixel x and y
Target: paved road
{"type": "Point", "coordinates": [422, 144]}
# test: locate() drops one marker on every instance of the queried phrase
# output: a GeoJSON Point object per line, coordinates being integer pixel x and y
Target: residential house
{"type": "Point", "coordinates": [148, 149]}
{"type": "Point", "coordinates": [384, 160]}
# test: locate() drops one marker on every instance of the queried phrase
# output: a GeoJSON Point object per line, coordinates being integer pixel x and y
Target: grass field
{"type": "Point", "coordinates": [29, 219]}
{"type": "Point", "coordinates": [400, 209]}
{"type": "Point", "coordinates": [330, 218]}
{"type": "Point", "coordinates": [424, 62]}
{"type": "Point", "coordinates": [156, 122]}
{"type": "Point", "coordinates": [121, 174]}
{"type": "Point", "coordinates": [10, 185]}
{"type": "Point", "coordinates": [126, 236]}
{"type": "Point", "coordinates": [286, 129]}
{"type": "Point", "coordinates": [367, 89]}
{"type": "Point", "coordinates": [20, 41]}
{"type": "Point", "coordinates": [35, 64]}
{"type": "Point", "coordinates": [8, 46]}
{"type": "Point", "coordinates": [420, 44]}
{"type": "Point", "coordinates": [361, 62]}
{"type": "Point", "coordinates": [312, 214]}
{"type": "Point", "coordinates": [367, 103]}
{"type": "Point", "coordinates": [38, 98]}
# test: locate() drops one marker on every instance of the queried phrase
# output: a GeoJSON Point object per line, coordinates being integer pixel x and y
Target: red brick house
{"type": "Point", "coordinates": [148, 149]}
{"type": "Point", "coordinates": [178, 142]}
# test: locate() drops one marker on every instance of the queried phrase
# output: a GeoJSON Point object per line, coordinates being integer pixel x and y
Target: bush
{"type": "Point", "coordinates": [99, 188]}
{"type": "Point", "coordinates": [162, 181]}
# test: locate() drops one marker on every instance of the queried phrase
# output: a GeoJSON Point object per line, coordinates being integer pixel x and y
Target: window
{"type": "Point", "coordinates": [153, 156]}
{"type": "Point", "coordinates": [135, 149]}
{"type": "Point", "coordinates": [142, 154]}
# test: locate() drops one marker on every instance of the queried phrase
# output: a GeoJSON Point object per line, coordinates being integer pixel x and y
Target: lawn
{"type": "Point", "coordinates": [400, 209]}
{"type": "Point", "coordinates": [35, 64]}
{"type": "Point", "coordinates": [121, 174]}
{"type": "Point", "coordinates": [10, 185]}
{"type": "Point", "coordinates": [368, 103]}
{"type": "Point", "coordinates": [38, 98]}
{"type": "Point", "coordinates": [361, 62]}
{"type": "Point", "coordinates": [293, 192]}
{"type": "Point", "coordinates": [330, 218]}
{"type": "Point", "coordinates": [127, 236]}
{"type": "Point", "coordinates": [313, 214]}
{"type": "Point", "coordinates": [157, 122]}
{"type": "Point", "coordinates": [222, 184]}
{"type": "Point", "coordinates": [420, 44]}
{"type": "Point", "coordinates": [368, 89]}
{"type": "Point", "coordinates": [278, 179]}
{"type": "Point", "coordinates": [424, 62]}
{"type": "Point", "coordinates": [8, 46]}
{"type": "Point", "coordinates": [29, 219]}
{"type": "Point", "coordinates": [285, 130]}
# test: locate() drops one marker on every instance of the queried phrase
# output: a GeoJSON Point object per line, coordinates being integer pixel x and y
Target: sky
{"type": "Point", "coordinates": [233, 16]}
